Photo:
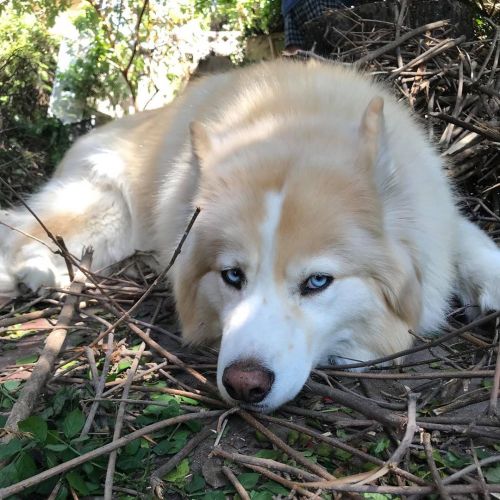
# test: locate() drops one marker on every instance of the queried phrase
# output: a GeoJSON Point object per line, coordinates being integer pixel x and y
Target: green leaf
{"type": "Point", "coordinates": [261, 438]}
{"type": "Point", "coordinates": [342, 455]}
{"type": "Point", "coordinates": [262, 495]}
{"type": "Point", "coordinates": [492, 474]}
{"type": "Point", "coordinates": [61, 398]}
{"type": "Point", "coordinates": [35, 426]}
{"type": "Point", "coordinates": [26, 360]}
{"type": "Point", "coordinates": [324, 450]}
{"type": "Point", "coordinates": [132, 462]}
{"type": "Point", "coordinates": [196, 484]}
{"type": "Point", "coordinates": [25, 466]}
{"type": "Point", "coordinates": [271, 454]}
{"type": "Point", "coordinates": [172, 445]}
{"type": "Point", "coordinates": [73, 423]}
{"type": "Point", "coordinates": [11, 385]}
{"type": "Point", "coordinates": [194, 425]}
{"type": "Point", "coordinates": [123, 365]}
{"type": "Point", "coordinates": [186, 400]}
{"type": "Point", "coordinates": [381, 445]}
{"type": "Point", "coordinates": [214, 495]}
{"type": "Point", "coordinates": [132, 448]}
{"type": "Point", "coordinates": [275, 488]}
{"type": "Point", "coordinates": [452, 460]}
{"type": "Point", "coordinates": [76, 482]}
{"type": "Point", "coordinates": [169, 408]}
{"type": "Point", "coordinates": [178, 475]}
{"type": "Point", "coordinates": [56, 447]}
{"type": "Point", "coordinates": [249, 479]}
{"type": "Point", "coordinates": [293, 437]}
{"type": "Point", "coordinates": [9, 449]}
{"type": "Point", "coordinates": [9, 475]}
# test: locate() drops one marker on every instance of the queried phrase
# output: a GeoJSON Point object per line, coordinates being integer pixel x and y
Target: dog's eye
{"type": "Point", "coordinates": [234, 277]}
{"type": "Point", "coordinates": [315, 283]}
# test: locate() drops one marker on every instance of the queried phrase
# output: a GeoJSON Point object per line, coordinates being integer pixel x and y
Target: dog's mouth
{"type": "Point", "coordinates": [256, 407]}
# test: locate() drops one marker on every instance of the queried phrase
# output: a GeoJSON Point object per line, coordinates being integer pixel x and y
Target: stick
{"type": "Point", "coordinates": [362, 405]}
{"type": "Point", "coordinates": [396, 43]}
{"type": "Point", "coordinates": [495, 390]}
{"type": "Point", "coordinates": [108, 484]}
{"type": "Point", "coordinates": [426, 439]}
{"type": "Point", "coordinates": [234, 481]}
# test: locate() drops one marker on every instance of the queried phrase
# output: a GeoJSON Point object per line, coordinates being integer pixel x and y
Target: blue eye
{"type": "Point", "coordinates": [234, 277]}
{"type": "Point", "coordinates": [315, 283]}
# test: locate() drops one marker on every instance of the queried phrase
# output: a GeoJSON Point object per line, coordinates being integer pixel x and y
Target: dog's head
{"type": "Point", "coordinates": [292, 260]}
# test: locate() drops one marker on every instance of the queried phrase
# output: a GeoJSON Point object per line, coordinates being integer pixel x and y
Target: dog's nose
{"type": "Point", "coordinates": [247, 381]}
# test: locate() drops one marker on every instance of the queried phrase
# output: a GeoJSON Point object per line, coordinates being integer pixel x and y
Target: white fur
{"type": "Point", "coordinates": [276, 143]}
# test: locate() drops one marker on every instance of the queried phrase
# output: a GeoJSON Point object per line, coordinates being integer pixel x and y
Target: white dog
{"type": "Point", "coordinates": [327, 227]}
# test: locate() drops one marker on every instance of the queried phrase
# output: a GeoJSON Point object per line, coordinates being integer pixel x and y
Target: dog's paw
{"type": "Point", "coordinates": [39, 272]}
{"type": "Point", "coordinates": [489, 296]}
{"type": "Point", "coordinates": [8, 285]}
{"type": "Point", "coordinates": [488, 283]}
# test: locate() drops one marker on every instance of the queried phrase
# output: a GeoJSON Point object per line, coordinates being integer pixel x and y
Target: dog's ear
{"type": "Point", "coordinates": [201, 142]}
{"type": "Point", "coordinates": [372, 133]}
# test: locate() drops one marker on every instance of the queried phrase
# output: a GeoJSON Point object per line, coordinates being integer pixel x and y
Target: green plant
{"type": "Point", "coordinates": [249, 16]}
{"type": "Point", "coordinates": [30, 142]}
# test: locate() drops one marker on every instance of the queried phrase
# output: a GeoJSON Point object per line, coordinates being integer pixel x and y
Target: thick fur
{"type": "Point", "coordinates": [298, 170]}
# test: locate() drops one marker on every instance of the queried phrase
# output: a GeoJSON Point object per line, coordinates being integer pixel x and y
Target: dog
{"type": "Point", "coordinates": [328, 229]}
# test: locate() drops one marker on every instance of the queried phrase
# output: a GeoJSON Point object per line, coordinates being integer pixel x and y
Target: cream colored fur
{"type": "Point", "coordinates": [298, 170]}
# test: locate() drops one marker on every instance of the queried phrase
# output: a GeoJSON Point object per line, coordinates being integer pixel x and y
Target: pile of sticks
{"type": "Point", "coordinates": [442, 398]}
{"type": "Point", "coordinates": [451, 81]}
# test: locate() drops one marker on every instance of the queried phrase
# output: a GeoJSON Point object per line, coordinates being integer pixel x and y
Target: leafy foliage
{"type": "Point", "coordinates": [30, 141]}
{"type": "Point", "coordinates": [248, 16]}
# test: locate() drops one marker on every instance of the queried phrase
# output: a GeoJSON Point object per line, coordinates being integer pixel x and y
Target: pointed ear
{"type": "Point", "coordinates": [201, 142]}
{"type": "Point", "coordinates": [372, 131]}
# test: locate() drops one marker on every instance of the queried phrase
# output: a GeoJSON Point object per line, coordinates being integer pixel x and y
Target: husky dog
{"type": "Point", "coordinates": [327, 228]}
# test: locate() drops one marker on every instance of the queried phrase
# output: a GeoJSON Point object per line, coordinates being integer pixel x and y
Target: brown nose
{"type": "Point", "coordinates": [247, 381]}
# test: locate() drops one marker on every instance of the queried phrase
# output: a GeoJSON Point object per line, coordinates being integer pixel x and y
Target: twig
{"type": "Point", "coordinates": [234, 481]}
{"type": "Point", "coordinates": [426, 440]}
{"type": "Point", "coordinates": [108, 484]}
{"type": "Point", "coordinates": [24, 318]}
{"type": "Point", "coordinates": [362, 405]}
{"type": "Point", "coordinates": [495, 389]}
{"type": "Point", "coordinates": [487, 133]}
{"type": "Point", "coordinates": [100, 387]}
